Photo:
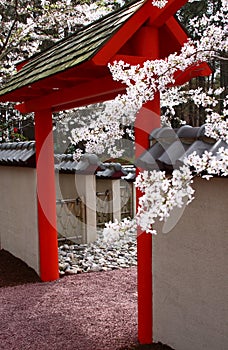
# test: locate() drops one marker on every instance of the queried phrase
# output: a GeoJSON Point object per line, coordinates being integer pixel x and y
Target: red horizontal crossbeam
{"type": "Point", "coordinates": [95, 90]}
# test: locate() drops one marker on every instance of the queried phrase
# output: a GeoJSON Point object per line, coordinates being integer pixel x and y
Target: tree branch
{"type": "Point", "coordinates": [12, 27]}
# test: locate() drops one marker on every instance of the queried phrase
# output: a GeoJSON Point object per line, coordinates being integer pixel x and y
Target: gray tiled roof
{"type": "Point", "coordinates": [72, 51]}
{"type": "Point", "coordinates": [65, 162]}
{"type": "Point", "coordinates": [87, 165]}
{"type": "Point", "coordinates": [23, 154]}
{"type": "Point", "coordinates": [18, 153]}
{"type": "Point", "coordinates": [90, 164]}
{"type": "Point", "coordinates": [130, 171]}
{"type": "Point", "coordinates": [169, 147]}
{"type": "Point", "coordinates": [111, 170]}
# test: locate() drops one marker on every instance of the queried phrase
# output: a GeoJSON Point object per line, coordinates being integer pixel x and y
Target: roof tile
{"type": "Point", "coordinates": [18, 153]}
{"type": "Point", "coordinates": [169, 147]}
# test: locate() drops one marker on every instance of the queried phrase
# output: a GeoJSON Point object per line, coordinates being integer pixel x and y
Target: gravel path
{"type": "Point", "coordinates": [97, 256]}
{"type": "Point", "coordinates": [92, 311]}
{"type": "Point", "coordinates": [81, 311]}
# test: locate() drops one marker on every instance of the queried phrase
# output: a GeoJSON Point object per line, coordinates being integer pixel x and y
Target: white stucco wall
{"type": "Point", "coordinates": [112, 206]}
{"type": "Point", "coordinates": [18, 214]}
{"type": "Point", "coordinates": [190, 289]}
{"type": "Point", "coordinates": [71, 186]}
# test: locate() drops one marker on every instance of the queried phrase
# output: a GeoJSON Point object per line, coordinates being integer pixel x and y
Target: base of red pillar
{"type": "Point", "coordinates": [145, 314]}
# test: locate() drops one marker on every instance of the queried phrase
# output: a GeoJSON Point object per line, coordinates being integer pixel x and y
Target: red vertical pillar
{"type": "Point", "coordinates": [46, 197]}
{"type": "Point", "coordinates": [147, 119]}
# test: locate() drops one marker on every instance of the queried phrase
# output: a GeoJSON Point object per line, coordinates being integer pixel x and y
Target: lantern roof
{"type": "Point", "coordinates": [74, 71]}
{"type": "Point", "coordinates": [72, 51]}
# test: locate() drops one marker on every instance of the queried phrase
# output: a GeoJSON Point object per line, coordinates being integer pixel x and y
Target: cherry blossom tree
{"type": "Point", "coordinates": [162, 194]}
{"type": "Point", "coordinates": [30, 26]}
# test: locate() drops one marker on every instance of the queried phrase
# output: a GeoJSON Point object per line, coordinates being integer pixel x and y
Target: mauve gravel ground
{"type": "Point", "coordinates": [89, 311]}
{"type": "Point", "coordinates": [93, 311]}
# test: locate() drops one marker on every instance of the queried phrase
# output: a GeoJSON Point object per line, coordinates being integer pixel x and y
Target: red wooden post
{"type": "Point", "coordinates": [46, 197]}
{"type": "Point", "coordinates": [147, 119]}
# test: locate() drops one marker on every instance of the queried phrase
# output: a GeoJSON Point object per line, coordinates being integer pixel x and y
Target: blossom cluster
{"type": "Point", "coordinates": [217, 126]}
{"type": "Point", "coordinates": [209, 164]}
{"type": "Point", "coordinates": [176, 95]}
{"type": "Point", "coordinates": [159, 3]}
{"type": "Point", "coordinates": [161, 194]}
{"type": "Point", "coordinates": [116, 230]}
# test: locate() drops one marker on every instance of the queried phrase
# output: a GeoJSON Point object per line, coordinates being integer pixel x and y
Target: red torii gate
{"type": "Point", "coordinates": [73, 73]}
